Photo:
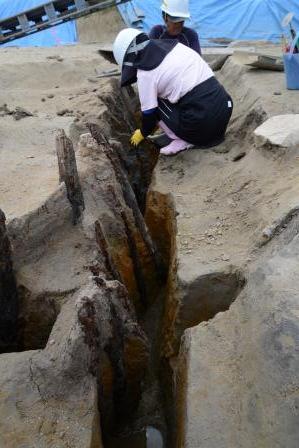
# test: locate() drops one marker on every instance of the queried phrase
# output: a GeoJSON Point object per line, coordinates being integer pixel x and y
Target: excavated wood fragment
{"type": "Point", "coordinates": [68, 173]}
{"type": "Point", "coordinates": [50, 397]}
{"type": "Point", "coordinates": [8, 293]}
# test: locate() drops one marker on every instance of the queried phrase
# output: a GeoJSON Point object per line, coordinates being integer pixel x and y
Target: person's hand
{"type": "Point", "coordinates": [137, 138]}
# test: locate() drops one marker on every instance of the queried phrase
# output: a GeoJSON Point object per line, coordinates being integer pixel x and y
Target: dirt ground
{"type": "Point", "coordinates": [219, 208]}
{"type": "Point", "coordinates": [226, 196]}
{"type": "Point", "coordinates": [57, 87]}
{"type": "Point", "coordinates": [51, 84]}
{"type": "Point", "coordinates": [223, 197]}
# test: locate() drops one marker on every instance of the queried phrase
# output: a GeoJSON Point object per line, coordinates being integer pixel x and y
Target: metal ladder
{"type": "Point", "coordinates": [49, 14]}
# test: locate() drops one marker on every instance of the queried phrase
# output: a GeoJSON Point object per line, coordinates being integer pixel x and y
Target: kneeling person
{"type": "Point", "coordinates": [177, 90]}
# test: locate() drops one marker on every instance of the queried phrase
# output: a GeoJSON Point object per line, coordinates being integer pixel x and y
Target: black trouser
{"type": "Point", "coordinates": [201, 116]}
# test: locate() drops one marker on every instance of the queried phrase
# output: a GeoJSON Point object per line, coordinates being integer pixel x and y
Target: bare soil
{"type": "Point", "coordinates": [52, 84]}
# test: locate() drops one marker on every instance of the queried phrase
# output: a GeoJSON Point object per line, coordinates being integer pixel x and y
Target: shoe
{"type": "Point", "coordinates": [175, 147]}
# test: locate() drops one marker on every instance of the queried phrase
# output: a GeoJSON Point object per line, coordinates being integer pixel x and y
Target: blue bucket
{"type": "Point", "coordinates": [291, 66]}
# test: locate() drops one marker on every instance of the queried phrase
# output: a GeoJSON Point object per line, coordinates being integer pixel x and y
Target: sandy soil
{"type": "Point", "coordinates": [43, 81]}
{"type": "Point", "coordinates": [47, 81]}
{"type": "Point", "coordinates": [224, 205]}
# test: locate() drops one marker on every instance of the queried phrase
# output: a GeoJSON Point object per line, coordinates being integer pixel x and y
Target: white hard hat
{"type": "Point", "coordinates": [176, 8]}
{"type": "Point", "coordinates": [122, 43]}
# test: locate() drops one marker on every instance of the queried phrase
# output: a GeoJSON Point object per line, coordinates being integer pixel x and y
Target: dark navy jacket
{"type": "Point", "coordinates": [187, 37]}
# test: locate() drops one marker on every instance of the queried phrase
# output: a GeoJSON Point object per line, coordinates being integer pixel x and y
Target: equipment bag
{"type": "Point", "coordinates": [291, 66]}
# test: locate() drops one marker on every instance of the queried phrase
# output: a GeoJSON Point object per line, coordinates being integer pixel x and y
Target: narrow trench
{"type": "Point", "coordinates": [146, 424]}
{"type": "Point", "coordinates": [198, 302]}
{"type": "Point", "coordinates": [26, 320]}
{"type": "Point", "coordinates": [156, 415]}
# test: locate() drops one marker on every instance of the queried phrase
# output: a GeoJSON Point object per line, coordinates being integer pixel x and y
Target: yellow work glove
{"type": "Point", "coordinates": [137, 137]}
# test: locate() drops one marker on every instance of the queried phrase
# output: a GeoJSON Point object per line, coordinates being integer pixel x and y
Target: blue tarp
{"type": "Point", "coordinates": [59, 35]}
{"type": "Point", "coordinates": [232, 19]}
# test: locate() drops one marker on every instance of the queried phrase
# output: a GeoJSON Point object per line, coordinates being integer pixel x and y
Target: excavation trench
{"type": "Point", "coordinates": [135, 403]}
{"type": "Point", "coordinates": [161, 317]}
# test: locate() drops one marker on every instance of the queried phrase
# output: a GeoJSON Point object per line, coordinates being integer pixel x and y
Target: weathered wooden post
{"type": "Point", "coordinates": [68, 173]}
{"type": "Point", "coordinates": [129, 197]}
{"type": "Point", "coordinates": [8, 294]}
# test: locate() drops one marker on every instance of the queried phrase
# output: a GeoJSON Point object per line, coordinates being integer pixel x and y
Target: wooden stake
{"type": "Point", "coordinates": [103, 246]}
{"type": "Point", "coordinates": [9, 306]}
{"type": "Point", "coordinates": [68, 173]}
{"type": "Point", "coordinates": [129, 197]}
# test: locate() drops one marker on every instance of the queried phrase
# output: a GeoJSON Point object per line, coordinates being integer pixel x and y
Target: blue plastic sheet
{"type": "Point", "coordinates": [291, 65]}
{"type": "Point", "coordinates": [231, 19]}
{"type": "Point", "coordinates": [132, 15]}
{"type": "Point", "coordinates": [58, 35]}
